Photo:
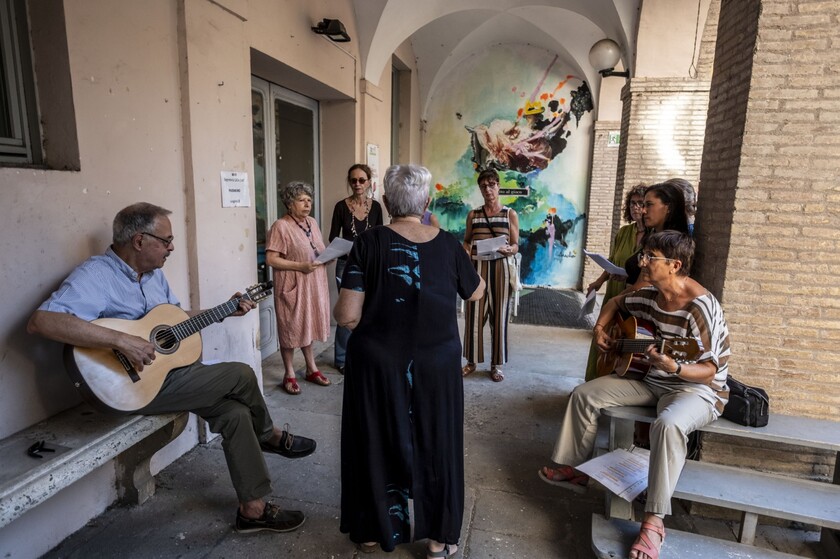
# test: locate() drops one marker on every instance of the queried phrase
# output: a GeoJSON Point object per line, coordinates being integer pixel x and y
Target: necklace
{"type": "Point", "coordinates": [308, 232]}
{"type": "Point", "coordinates": [353, 218]}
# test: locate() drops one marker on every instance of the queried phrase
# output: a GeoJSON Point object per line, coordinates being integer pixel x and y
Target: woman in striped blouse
{"type": "Point", "coordinates": [490, 220]}
{"type": "Point", "coordinates": [687, 395]}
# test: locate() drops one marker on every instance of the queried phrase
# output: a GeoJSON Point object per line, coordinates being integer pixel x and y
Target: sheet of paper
{"type": "Point", "coordinates": [605, 264]}
{"type": "Point", "coordinates": [624, 472]}
{"type": "Point", "coordinates": [338, 247]}
{"type": "Point", "coordinates": [489, 247]}
{"type": "Point", "coordinates": [588, 304]}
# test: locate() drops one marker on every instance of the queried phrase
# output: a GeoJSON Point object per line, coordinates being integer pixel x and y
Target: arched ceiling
{"type": "Point", "coordinates": [445, 32]}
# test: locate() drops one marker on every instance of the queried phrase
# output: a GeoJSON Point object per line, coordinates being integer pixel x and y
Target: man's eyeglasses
{"type": "Point", "coordinates": [488, 185]}
{"type": "Point", "coordinates": [166, 242]}
{"type": "Point", "coordinates": [646, 257]}
{"type": "Point", "coordinates": [358, 181]}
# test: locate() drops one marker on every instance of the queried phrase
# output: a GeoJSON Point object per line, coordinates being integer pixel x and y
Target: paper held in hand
{"type": "Point", "coordinates": [338, 247]}
{"type": "Point", "coordinates": [624, 472]}
{"type": "Point", "coordinates": [588, 306]}
{"type": "Point", "coordinates": [606, 264]}
{"type": "Point", "coordinates": [488, 249]}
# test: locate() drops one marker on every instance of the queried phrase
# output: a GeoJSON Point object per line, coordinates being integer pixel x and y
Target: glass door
{"type": "Point", "coordinates": [286, 148]}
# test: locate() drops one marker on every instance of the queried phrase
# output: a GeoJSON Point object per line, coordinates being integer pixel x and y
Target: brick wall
{"type": "Point", "coordinates": [599, 213]}
{"type": "Point", "coordinates": [768, 222]}
{"type": "Point", "coordinates": [663, 125]}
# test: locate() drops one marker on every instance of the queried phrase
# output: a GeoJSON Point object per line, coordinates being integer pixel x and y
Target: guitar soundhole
{"type": "Point", "coordinates": [165, 339]}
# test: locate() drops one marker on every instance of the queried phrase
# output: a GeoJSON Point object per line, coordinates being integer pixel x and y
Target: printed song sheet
{"type": "Point", "coordinates": [588, 304]}
{"type": "Point", "coordinates": [605, 264]}
{"type": "Point", "coordinates": [624, 472]}
{"type": "Point", "coordinates": [338, 247]}
{"type": "Point", "coordinates": [487, 249]}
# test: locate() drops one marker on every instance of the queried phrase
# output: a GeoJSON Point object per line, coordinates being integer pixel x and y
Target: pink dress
{"type": "Point", "coordinates": [301, 301]}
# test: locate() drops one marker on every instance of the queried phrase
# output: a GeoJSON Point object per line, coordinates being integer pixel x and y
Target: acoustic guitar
{"type": "Point", "coordinates": [108, 380]}
{"type": "Point", "coordinates": [627, 358]}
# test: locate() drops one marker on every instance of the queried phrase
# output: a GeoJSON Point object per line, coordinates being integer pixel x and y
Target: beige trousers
{"type": "Point", "coordinates": [679, 412]}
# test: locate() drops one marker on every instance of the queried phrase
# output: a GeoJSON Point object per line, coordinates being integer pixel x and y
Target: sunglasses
{"type": "Point", "coordinates": [358, 181]}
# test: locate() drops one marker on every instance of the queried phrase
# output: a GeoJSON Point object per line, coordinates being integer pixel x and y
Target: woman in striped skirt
{"type": "Point", "coordinates": [490, 220]}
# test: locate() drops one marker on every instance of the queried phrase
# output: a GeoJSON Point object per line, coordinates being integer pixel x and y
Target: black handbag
{"type": "Point", "coordinates": [747, 405]}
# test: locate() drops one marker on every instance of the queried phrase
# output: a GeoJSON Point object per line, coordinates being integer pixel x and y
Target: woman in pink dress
{"type": "Point", "coordinates": [301, 294]}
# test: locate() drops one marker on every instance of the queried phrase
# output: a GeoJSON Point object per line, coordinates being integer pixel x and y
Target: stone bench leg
{"type": "Point", "coordinates": [135, 482]}
{"type": "Point", "coordinates": [830, 539]}
{"type": "Point", "coordinates": [621, 436]}
{"type": "Point", "coordinates": [746, 533]}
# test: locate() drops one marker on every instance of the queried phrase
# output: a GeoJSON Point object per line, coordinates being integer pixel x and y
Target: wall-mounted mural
{"type": "Point", "coordinates": [512, 108]}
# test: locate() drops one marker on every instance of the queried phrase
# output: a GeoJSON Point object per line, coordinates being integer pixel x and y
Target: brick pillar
{"type": "Point", "coordinates": [768, 218]}
{"type": "Point", "coordinates": [768, 209]}
{"type": "Point", "coordinates": [599, 214]}
{"type": "Point", "coordinates": [662, 129]}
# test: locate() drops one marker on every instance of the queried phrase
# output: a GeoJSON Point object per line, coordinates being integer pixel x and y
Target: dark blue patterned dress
{"type": "Point", "coordinates": [402, 423]}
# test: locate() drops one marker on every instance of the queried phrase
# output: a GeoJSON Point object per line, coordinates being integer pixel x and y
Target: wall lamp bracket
{"type": "Point", "coordinates": [333, 29]}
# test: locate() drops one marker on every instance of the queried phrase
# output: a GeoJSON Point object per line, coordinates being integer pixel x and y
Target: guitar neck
{"type": "Point", "coordinates": [634, 345]}
{"type": "Point", "coordinates": [187, 328]}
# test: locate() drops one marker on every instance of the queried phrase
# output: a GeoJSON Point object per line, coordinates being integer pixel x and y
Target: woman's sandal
{"type": "Point", "coordinates": [367, 547]}
{"type": "Point", "coordinates": [564, 476]}
{"type": "Point", "coordinates": [445, 552]}
{"type": "Point", "coordinates": [468, 369]}
{"type": "Point", "coordinates": [317, 378]}
{"type": "Point", "coordinates": [290, 385]}
{"type": "Point", "coordinates": [643, 543]}
{"type": "Point", "coordinates": [496, 374]}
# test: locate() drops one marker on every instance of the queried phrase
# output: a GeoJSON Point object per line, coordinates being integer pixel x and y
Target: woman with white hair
{"type": "Point", "coordinates": [402, 425]}
{"type": "Point", "coordinates": [301, 293]}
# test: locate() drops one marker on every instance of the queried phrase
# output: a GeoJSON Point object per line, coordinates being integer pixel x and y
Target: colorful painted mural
{"type": "Point", "coordinates": [512, 108]}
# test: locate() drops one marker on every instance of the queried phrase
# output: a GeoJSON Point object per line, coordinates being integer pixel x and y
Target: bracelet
{"type": "Point", "coordinates": [679, 370]}
{"type": "Point", "coordinates": [601, 326]}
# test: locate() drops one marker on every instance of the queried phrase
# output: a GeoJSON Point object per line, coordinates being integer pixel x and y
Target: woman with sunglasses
{"type": "Point", "coordinates": [687, 395]}
{"type": "Point", "coordinates": [352, 216]}
{"type": "Point", "coordinates": [625, 245]}
{"type": "Point", "coordinates": [664, 210]}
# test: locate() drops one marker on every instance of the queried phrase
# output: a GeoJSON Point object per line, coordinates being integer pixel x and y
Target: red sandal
{"type": "Point", "coordinates": [290, 385]}
{"type": "Point", "coordinates": [317, 378]}
{"type": "Point", "coordinates": [644, 544]}
{"type": "Point", "coordinates": [564, 476]}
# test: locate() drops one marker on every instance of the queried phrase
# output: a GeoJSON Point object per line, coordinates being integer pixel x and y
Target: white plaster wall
{"type": "Point", "coordinates": [666, 35]}
{"type": "Point", "coordinates": [155, 124]}
{"type": "Point", "coordinates": [126, 91]}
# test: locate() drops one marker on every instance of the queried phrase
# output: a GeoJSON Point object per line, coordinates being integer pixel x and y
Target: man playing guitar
{"type": "Point", "coordinates": [126, 283]}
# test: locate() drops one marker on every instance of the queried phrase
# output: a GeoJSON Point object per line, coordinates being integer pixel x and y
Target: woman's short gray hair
{"type": "Point", "coordinates": [292, 190]}
{"type": "Point", "coordinates": [136, 218]}
{"type": "Point", "coordinates": [407, 189]}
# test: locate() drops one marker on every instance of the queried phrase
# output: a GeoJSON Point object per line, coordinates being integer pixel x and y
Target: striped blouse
{"type": "Point", "coordinates": [701, 319]}
{"type": "Point", "coordinates": [486, 228]}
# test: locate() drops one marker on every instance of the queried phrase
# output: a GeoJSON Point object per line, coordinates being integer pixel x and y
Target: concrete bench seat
{"type": "Point", "coordinates": [751, 492]}
{"type": "Point", "coordinates": [611, 539]}
{"type": "Point", "coordinates": [82, 440]}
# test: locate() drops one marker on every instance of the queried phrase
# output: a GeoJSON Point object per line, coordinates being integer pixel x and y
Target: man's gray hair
{"type": "Point", "coordinates": [136, 218]}
{"type": "Point", "coordinates": [292, 190]}
{"type": "Point", "coordinates": [407, 189]}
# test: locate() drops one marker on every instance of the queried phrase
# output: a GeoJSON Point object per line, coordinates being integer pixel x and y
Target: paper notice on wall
{"type": "Point", "coordinates": [235, 190]}
{"type": "Point", "coordinates": [372, 159]}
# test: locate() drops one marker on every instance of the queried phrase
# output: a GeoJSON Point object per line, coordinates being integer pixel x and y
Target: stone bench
{"type": "Point", "coordinates": [82, 440]}
{"type": "Point", "coordinates": [751, 492]}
